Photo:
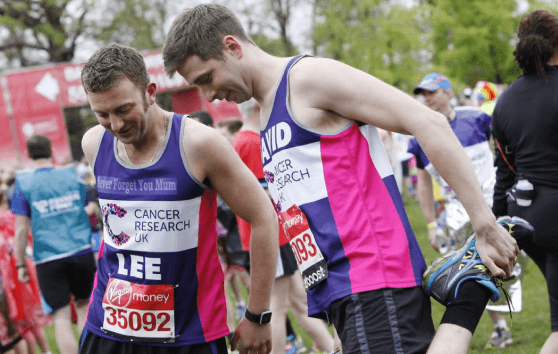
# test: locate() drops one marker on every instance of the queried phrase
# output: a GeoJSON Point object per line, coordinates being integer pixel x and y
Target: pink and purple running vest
{"type": "Point", "coordinates": [159, 235]}
{"type": "Point", "coordinates": [344, 184]}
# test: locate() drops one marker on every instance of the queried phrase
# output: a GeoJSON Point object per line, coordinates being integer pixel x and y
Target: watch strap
{"type": "Point", "coordinates": [259, 318]}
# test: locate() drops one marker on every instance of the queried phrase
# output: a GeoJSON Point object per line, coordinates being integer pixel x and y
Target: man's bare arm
{"type": "Point", "coordinates": [425, 197]}
{"type": "Point", "coordinates": [90, 141]}
{"type": "Point", "coordinates": [22, 223]}
{"type": "Point", "coordinates": [240, 189]}
{"type": "Point", "coordinates": [356, 95]}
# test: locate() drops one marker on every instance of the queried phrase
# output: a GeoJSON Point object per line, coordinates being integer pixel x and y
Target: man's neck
{"type": "Point", "coordinates": [42, 163]}
{"type": "Point", "coordinates": [266, 71]}
{"type": "Point", "coordinates": [449, 114]}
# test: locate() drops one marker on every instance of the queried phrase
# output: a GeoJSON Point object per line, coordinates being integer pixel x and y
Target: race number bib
{"type": "Point", "coordinates": [309, 258]}
{"type": "Point", "coordinates": [142, 313]}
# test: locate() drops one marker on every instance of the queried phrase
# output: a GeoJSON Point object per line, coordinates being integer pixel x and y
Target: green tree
{"type": "Point", "coordinates": [135, 23]}
{"type": "Point", "coordinates": [38, 31]}
{"type": "Point", "coordinates": [473, 40]}
{"type": "Point", "coordinates": [267, 23]}
{"type": "Point", "coordinates": [385, 40]}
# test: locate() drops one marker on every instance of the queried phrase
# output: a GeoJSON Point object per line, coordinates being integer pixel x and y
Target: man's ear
{"type": "Point", "coordinates": [151, 92]}
{"type": "Point", "coordinates": [450, 93]}
{"type": "Point", "coordinates": [233, 46]}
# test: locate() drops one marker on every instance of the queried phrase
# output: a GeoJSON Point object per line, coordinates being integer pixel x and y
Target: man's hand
{"type": "Point", "coordinates": [251, 338]}
{"type": "Point", "coordinates": [22, 274]}
{"type": "Point", "coordinates": [497, 249]}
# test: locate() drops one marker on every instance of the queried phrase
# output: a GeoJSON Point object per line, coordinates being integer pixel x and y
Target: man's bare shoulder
{"type": "Point", "coordinates": [205, 149]}
{"type": "Point", "coordinates": [312, 72]}
{"type": "Point", "coordinates": [90, 141]}
{"type": "Point", "coordinates": [198, 136]}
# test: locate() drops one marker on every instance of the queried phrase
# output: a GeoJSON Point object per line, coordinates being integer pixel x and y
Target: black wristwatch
{"type": "Point", "coordinates": [259, 318]}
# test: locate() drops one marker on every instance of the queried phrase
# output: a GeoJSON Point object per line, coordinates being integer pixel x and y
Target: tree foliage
{"type": "Point", "coordinates": [268, 23]}
{"type": "Point", "coordinates": [135, 23]}
{"type": "Point", "coordinates": [385, 40]}
{"type": "Point", "coordinates": [473, 40]}
{"type": "Point", "coordinates": [36, 31]}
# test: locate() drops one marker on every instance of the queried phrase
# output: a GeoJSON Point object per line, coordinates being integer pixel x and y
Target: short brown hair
{"type": "Point", "coordinates": [233, 125]}
{"type": "Point", "coordinates": [113, 63]}
{"type": "Point", "coordinates": [199, 31]}
{"type": "Point", "coordinates": [39, 147]}
{"type": "Point", "coordinates": [538, 40]}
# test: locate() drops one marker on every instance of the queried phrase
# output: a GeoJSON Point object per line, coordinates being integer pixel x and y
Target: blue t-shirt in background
{"type": "Point", "coordinates": [54, 199]}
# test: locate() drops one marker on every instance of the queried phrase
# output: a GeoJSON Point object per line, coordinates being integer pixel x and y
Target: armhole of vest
{"type": "Point", "coordinates": [183, 155]}
{"type": "Point", "coordinates": [97, 151]}
{"type": "Point", "coordinates": [292, 116]}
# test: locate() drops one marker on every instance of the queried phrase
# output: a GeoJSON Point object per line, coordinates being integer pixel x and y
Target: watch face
{"type": "Point", "coordinates": [266, 317]}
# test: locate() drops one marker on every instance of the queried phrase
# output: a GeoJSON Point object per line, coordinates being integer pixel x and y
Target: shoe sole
{"type": "Point", "coordinates": [502, 345]}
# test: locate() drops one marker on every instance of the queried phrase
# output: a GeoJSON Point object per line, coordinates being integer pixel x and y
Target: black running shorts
{"type": "Point", "coordinates": [93, 344]}
{"type": "Point", "coordinates": [384, 321]}
{"type": "Point", "coordinates": [61, 277]}
{"type": "Point", "coordinates": [286, 263]}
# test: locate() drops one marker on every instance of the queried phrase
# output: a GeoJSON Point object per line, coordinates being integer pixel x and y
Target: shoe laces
{"type": "Point", "coordinates": [499, 284]}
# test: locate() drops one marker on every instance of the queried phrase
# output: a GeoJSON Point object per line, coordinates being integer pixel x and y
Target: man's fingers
{"type": "Point", "coordinates": [234, 341]}
{"type": "Point", "coordinates": [435, 246]}
{"type": "Point", "coordinates": [268, 346]}
{"type": "Point", "coordinates": [494, 269]}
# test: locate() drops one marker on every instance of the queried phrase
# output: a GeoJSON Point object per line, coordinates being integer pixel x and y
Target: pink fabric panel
{"type": "Point", "coordinates": [362, 205]}
{"type": "Point", "coordinates": [211, 303]}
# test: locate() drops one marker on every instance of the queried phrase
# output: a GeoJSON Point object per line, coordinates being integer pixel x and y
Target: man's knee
{"type": "Point", "coordinates": [62, 314]}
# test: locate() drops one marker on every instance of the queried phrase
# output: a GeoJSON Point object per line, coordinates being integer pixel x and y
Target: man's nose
{"type": "Point", "coordinates": [116, 123]}
{"type": "Point", "coordinates": [209, 93]}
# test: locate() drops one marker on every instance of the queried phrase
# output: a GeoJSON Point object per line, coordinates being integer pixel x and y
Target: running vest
{"type": "Point", "coordinates": [159, 278]}
{"type": "Point", "coordinates": [471, 127]}
{"type": "Point", "coordinates": [344, 185]}
{"type": "Point", "coordinates": [59, 222]}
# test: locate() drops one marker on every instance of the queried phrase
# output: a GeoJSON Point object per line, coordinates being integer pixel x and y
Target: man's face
{"type": "Point", "coordinates": [437, 100]}
{"type": "Point", "coordinates": [122, 110]}
{"type": "Point", "coordinates": [218, 79]}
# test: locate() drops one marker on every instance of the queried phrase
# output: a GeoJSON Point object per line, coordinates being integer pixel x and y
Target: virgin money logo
{"type": "Point", "coordinates": [297, 219]}
{"type": "Point", "coordinates": [119, 293]}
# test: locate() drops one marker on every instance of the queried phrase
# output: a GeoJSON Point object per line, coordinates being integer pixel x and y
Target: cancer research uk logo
{"type": "Point", "coordinates": [119, 293]}
{"type": "Point", "coordinates": [113, 209]}
{"type": "Point", "coordinates": [269, 177]}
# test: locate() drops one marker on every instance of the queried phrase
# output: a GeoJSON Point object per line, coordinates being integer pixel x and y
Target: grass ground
{"type": "Point", "coordinates": [530, 328]}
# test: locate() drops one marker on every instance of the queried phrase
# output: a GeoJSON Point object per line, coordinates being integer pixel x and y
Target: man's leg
{"type": "Point", "coordinates": [462, 283]}
{"type": "Point", "coordinates": [62, 320]}
{"type": "Point", "coordinates": [81, 274]}
{"type": "Point", "coordinates": [551, 344]}
{"type": "Point", "coordinates": [279, 307]}
{"type": "Point", "coordinates": [450, 338]}
{"type": "Point", "coordinates": [81, 306]}
{"type": "Point", "coordinates": [314, 327]}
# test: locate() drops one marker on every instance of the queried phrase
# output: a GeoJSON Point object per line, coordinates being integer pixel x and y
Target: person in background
{"type": "Point", "coordinates": [525, 128]}
{"type": "Point", "coordinates": [229, 127]}
{"type": "Point", "coordinates": [472, 128]}
{"type": "Point", "coordinates": [203, 117]}
{"type": "Point", "coordinates": [52, 200]}
{"type": "Point", "coordinates": [93, 209]}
